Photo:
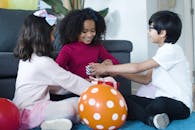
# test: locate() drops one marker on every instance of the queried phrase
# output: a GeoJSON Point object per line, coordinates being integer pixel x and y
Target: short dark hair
{"type": "Point", "coordinates": [169, 21]}
{"type": "Point", "coordinates": [34, 38]}
{"type": "Point", "coordinates": [71, 25]}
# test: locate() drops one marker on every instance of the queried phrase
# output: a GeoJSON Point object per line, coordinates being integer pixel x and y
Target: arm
{"type": "Point", "coordinates": [107, 62]}
{"type": "Point", "coordinates": [107, 57]}
{"type": "Point", "coordinates": [63, 57]}
{"type": "Point", "coordinates": [128, 68]}
{"type": "Point", "coordinates": [139, 78]}
{"type": "Point", "coordinates": [59, 77]}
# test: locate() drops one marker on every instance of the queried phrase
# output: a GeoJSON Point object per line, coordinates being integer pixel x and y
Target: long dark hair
{"type": "Point", "coordinates": [34, 38]}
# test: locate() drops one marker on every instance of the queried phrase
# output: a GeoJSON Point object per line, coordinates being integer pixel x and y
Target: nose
{"type": "Point", "coordinates": [89, 34]}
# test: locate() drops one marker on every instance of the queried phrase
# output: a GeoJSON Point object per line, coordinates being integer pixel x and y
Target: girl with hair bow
{"type": "Point", "coordinates": [39, 75]}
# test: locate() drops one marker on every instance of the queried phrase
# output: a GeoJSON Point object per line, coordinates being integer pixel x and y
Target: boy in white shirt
{"type": "Point", "coordinates": [168, 70]}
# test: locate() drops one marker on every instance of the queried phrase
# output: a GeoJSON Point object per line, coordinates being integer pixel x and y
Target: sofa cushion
{"type": "Point", "coordinates": [8, 65]}
{"type": "Point", "coordinates": [7, 87]}
{"type": "Point", "coordinates": [10, 24]}
{"type": "Point", "coordinates": [8, 72]}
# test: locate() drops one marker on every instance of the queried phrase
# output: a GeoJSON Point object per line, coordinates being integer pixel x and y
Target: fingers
{"type": "Point", "coordinates": [93, 72]}
{"type": "Point", "coordinates": [96, 69]}
{"type": "Point", "coordinates": [93, 78]}
{"type": "Point", "coordinates": [90, 69]}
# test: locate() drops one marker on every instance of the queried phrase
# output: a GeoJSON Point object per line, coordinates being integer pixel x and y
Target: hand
{"type": "Point", "coordinates": [107, 62]}
{"type": "Point", "coordinates": [110, 81]}
{"type": "Point", "coordinates": [97, 69]}
{"type": "Point", "coordinates": [89, 71]}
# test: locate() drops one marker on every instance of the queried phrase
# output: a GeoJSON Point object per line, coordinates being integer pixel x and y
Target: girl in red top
{"type": "Point", "coordinates": [80, 33]}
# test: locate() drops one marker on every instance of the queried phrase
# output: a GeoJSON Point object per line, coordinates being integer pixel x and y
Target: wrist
{"type": "Point", "coordinates": [107, 62]}
{"type": "Point", "coordinates": [106, 70]}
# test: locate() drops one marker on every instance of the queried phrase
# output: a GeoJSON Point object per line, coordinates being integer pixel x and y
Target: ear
{"type": "Point", "coordinates": [163, 33]}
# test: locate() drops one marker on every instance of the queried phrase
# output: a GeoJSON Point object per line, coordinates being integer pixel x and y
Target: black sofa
{"type": "Point", "coordinates": [10, 24]}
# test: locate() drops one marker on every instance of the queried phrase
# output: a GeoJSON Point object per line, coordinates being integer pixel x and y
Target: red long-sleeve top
{"type": "Point", "coordinates": [76, 56]}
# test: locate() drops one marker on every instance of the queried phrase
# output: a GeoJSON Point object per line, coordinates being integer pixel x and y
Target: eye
{"type": "Point", "coordinates": [91, 31]}
{"type": "Point", "coordinates": [151, 27]}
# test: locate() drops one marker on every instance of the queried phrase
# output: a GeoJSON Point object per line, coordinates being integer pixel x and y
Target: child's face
{"type": "Point", "coordinates": [155, 37]}
{"type": "Point", "coordinates": [52, 37]}
{"type": "Point", "coordinates": [88, 32]}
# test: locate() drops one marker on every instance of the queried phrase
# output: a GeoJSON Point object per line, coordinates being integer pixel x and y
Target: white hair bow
{"type": "Point", "coordinates": [50, 19]}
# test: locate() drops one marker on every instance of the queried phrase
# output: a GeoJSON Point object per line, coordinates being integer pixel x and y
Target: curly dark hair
{"type": "Point", "coordinates": [71, 25]}
{"type": "Point", "coordinates": [34, 38]}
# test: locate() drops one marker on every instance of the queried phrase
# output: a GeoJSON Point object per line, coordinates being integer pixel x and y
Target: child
{"type": "Point", "coordinates": [38, 75]}
{"type": "Point", "coordinates": [168, 71]}
{"type": "Point", "coordinates": [81, 31]}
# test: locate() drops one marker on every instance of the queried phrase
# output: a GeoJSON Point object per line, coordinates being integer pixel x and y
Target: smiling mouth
{"type": "Point", "coordinates": [89, 40]}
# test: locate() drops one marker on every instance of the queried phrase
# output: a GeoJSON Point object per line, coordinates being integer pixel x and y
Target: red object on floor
{"type": "Point", "coordinates": [9, 115]}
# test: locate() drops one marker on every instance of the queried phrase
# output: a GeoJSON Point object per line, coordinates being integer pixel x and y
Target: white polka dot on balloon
{"type": "Point", "coordinates": [84, 97]}
{"type": "Point", "coordinates": [81, 107]}
{"type": "Point", "coordinates": [111, 128]}
{"type": "Point", "coordinates": [86, 121]}
{"type": "Point", "coordinates": [110, 104]}
{"type": "Point", "coordinates": [96, 116]}
{"type": "Point", "coordinates": [92, 101]}
{"type": "Point", "coordinates": [123, 117]}
{"type": "Point", "coordinates": [115, 116]}
{"type": "Point", "coordinates": [94, 90]}
{"type": "Point", "coordinates": [101, 127]}
{"type": "Point", "coordinates": [121, 102]}
{"type": "Point", "coordinates": [113, 91]}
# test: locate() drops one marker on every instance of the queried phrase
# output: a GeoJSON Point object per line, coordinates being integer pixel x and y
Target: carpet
{"type": "Point", "coordinates": [186, 124]}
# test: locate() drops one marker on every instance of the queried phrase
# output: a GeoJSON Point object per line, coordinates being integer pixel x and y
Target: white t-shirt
{"type": "Point", "coordinates": [172, 78]}
{"type": "Point", "coordinates": [35, 76]}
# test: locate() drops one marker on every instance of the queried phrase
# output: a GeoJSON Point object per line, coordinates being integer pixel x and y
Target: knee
{"type": "Point", "coordinates": [158, 104]}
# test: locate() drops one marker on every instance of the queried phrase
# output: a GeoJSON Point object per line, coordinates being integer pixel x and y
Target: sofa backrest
{"type": "Point", "coordinates": [10, 23]}
{"type": "Point", "coordinates": [9, 64]}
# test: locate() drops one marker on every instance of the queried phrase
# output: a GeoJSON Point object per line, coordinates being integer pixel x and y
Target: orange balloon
{"type": "Point", "coordinates": [4, 4]}
{"type": "Point", "coordinates": [102, 107]}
